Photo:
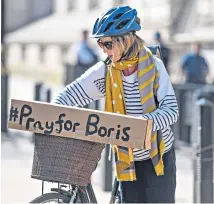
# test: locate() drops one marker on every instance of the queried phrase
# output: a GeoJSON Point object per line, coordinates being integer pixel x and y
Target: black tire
{"type": "Point", "coordinates": [47, 197]}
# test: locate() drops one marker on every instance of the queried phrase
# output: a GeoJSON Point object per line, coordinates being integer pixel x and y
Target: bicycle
{"type": "Point", "coordinates": [66, 192]}
{"type": "Point", "coordinates": [75, 194]}
{"type": "Point", "coordinates": [83, 194]}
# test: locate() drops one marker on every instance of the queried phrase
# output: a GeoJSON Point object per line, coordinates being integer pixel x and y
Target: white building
{"type": "Point", "coordinates": [40, 47]}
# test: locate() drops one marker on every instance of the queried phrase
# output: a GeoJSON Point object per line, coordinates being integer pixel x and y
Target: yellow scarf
{"type": "Point", "coordinates": [115, 102]}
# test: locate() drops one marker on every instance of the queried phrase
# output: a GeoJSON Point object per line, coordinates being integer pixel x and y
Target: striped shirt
{"type": "Point", "coordinates": [91, 86]}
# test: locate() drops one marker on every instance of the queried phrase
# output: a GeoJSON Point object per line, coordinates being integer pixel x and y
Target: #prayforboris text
{"type": "Point", "coordinates": [91, 127]}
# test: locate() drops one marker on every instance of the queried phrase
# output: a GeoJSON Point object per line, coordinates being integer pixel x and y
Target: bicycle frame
{"type": "Point", "coordinates": [115, 191]}
{"type": "Point", "coordinates": [87, 192]}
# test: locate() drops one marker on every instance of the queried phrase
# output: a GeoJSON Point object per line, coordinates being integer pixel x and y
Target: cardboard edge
{"type": "Point", "coordinates": [14, 100]}
{"type": "Point", "coordinates": [147, 144]}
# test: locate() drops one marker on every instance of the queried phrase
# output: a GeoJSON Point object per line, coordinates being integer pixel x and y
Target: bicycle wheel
{"type": "Point", "coordinates": [51, 198]}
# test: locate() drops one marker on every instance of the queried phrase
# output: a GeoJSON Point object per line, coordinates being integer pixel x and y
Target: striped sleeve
{"type": "Point", "coordinates": [167, 112]}
{"type": "Point", "coordinates": [87, 88]}
{"type": "Point", "coordinates": [100, 84]}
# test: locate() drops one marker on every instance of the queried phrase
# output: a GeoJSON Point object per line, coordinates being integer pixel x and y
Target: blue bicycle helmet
{"type": "Point", "coordinates": [116, 21]}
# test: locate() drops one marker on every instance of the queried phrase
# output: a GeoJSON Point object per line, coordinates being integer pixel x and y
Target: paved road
{"type": "Point", "coordinates": [17, 154]}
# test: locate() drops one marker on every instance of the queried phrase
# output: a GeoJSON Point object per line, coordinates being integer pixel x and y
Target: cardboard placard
{"type": "Point", "coordinates": [80, 123]}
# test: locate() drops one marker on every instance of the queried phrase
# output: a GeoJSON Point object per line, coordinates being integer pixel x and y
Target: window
{"type": "Point", "coordinates": [93, 4]}
{"type": "Point", "coordinates": [118, 2]}
{"type": "Point", "coordinates": [71, 4]}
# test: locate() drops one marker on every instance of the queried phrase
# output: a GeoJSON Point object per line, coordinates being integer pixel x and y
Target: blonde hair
{"type": "Point", "coordinates": [129, 45]}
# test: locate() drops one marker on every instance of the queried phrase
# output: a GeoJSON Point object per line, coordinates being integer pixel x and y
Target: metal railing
{"type": "Point", "coordinates": [204, 146]}
{"type": "Point", "coordinates": [184, 128]}
{"type": "Point", "coordinates": [194, 127]}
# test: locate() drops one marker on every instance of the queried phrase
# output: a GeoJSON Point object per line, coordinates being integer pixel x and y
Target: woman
{"type": "Point", "coordinates": [134, 83]}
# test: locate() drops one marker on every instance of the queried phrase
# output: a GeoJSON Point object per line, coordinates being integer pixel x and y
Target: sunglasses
{"type": "Point", "coordinates": [107, 44]}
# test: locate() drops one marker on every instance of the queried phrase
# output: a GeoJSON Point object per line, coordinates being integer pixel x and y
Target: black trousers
{"type": "Point", "coordinates": [150, 188]}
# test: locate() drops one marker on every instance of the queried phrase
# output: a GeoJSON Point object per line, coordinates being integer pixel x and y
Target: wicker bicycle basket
{"type": "Point", "coordinates": [64, 160]}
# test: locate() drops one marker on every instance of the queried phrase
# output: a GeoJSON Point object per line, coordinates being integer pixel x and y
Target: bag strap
{"type": "Point", "coordinates": [107, 61]}
{"type": "Point", "coordinates": [156, 51]}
